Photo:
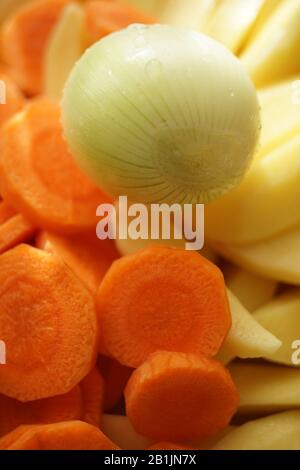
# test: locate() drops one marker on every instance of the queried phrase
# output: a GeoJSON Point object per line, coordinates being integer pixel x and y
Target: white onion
{"type": "Point", "coordinates": [161, 114]}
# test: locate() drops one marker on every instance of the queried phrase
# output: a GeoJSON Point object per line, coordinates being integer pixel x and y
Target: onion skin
{"type": "Point", "coordinates": [161, 114]}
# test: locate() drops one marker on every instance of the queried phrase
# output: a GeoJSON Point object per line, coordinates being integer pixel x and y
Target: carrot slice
{"type": "Point", "coordinates": [103, 18]}
{"type": "Point", "coordinates": [180, 396]}
{"type": "Point", "coordinates": [92, 389]}
{"type": "Point", "coordinates": [6, 212]}
{"type": "Point", "coordinates": [14, 413]}
{"type": "Point", "coordinates": [87, 256]}
{"type": "Point", "coordinates": [70, 435]}
{"type": "Point", "coordinates": [169, 446]}
{"type": "Point", "coordinates": [11, 98]}
{"type": "Point", "coordinates": [15, 230]}
{"type": "Point", "coordinates": [162, 298]}
{"type": "Point", "coordinates": [25, 37]}
{"type": "Point", "coordinates": [39, 176]}
{"type": "Point", "coordinates": [7, 440]}
{"type": "Point", "coordinates": [48, 323]}
{"type": "Point", "coordinates": [115, 378]}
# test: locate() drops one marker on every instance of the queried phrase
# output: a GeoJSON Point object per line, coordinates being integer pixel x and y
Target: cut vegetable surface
{"type": "Point", "coordinates": [266, 389]}
{"type": "Point", "coordinates": [138, 315]}
{"type": "Point", "coordinates": [55, 347]}
{"type": "Point", "coordinates": [38, 175]}
{"type": "Point", "coordinates": [15, 230]}
{"type": "Point", "coordinates": [87, 256]}
{"type": "Point", "coordinates": [92, 390]}
{"type": "Point", "coordinates": [11, 98]}
{"type": "Point", "coordinates": [71, 435]}
{"type": "Point", "coordinates": [14, 413]}
{"type": "Point", "coordinates": [25, 37]}
{"type": "Point", "coordinates": [180, 396]}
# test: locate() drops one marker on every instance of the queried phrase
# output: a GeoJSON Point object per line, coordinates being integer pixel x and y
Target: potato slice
{"type": "Point", "coordinates": [246, 338]}
{"type": "Point", "coordinates": [251, 289]}
{"type": "Point", "coordinates": [192, 14]}
{"type": "Point", "coordinates": [264, 204]}
{"type": "Point", "coordinates": [277, 258]}
{"type": "Point", "coordinates": [65, 46]}
{"type": "Point", "coordinates": [274, 53]}
{"type": "Point", "coordinates": [277, 432]}
{"type": "Point", "coordinates": [266, 12]}
{"type": "Point", "coordinates": [265, 388]}
{"type": "Point", "coordinates": [119, 430]}
{"type": "Point", "coordinates": [280, 114]}
{"type": "Point", "coordinates": [281, 316]}
{"type": "Point", "coordinates": [232, 21]}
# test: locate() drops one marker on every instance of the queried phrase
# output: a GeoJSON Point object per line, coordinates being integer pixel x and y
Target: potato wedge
{"type": "Point", "coordinates": [281, 316]}
{"type": "Point", "coordinates": [274, 53]}
{"type": "Point", "coordinates": [265, 388]}
{"type": "Point", "coordinates": [277, 258]}
{"type": "Point", "coordinates": [119, 429]}
{"type": "Point", "coordinates": [246, 338]}
{"type": "Point", "coordinates": [252, 290]}
{"type": "Point", "coordinates": [257, 208]}
{"type": "Point", "coordinates": [277, 432]}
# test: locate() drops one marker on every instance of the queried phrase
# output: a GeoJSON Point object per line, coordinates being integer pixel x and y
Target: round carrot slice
{"type": "Point", "coordinates": [38, 175]}
{"type": "Point", "coordinates": [180, 396]}
{"type": "Point", "coordinates": [71, 435]}
{"type": "Point", "coordinates": [48, 323]}
{"type": "Point", "coordinates": [162, 298]}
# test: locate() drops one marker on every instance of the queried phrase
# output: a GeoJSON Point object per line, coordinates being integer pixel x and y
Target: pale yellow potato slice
{"type": "Point", "coordinates": [232, 21]}
{"type": "Point", "coordinates": [274, 53]}
{"type": "Point", "coordinates": [264, 204]}
{"type": "Point", "coordinates": [267, 10]}
{"type": "Point", "coordinates": [280, 114]}
{"type": "Point", "coordinates": [265, 388]}
{"type": "Point", "coordinates": [192, 14]}
{"type": "Point", "coordinates": [281, 316]}
{"type": "Point", "coordinates": [246, 338]}
{"type": "Point", "coordinates": [277, 432]}
{"type": "Point", "coordinates": [65, 47]}
{"type": "Point", "coordinates": [119, 429]}
{"type": "Point", "coordinates": [277, 258]}
{"type": "Point", "coordinates": [252, 290]}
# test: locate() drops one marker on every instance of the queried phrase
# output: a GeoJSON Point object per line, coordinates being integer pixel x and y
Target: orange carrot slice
{"type": "Point", "coordinates": [6, 212]}
{"type": "Point", "coordinates": [48, 323]}
{"type": "Point", "coordinates": [25, 37]}
{"type": "Point", "coordinates": [15, 230]}
{"type": "Point", "coordinates": [180, 396]}
{"type": "Point", "coordinates": [103, 18]}
{"type": "Point", "coordinates": [70, 435]}
{"type": "Point", "coordinates": [7, 440]}
{"type": "Point", "coordinates": [162, 298]}
{"type": "Point", "coordinates": [87, 256]}
{"type": "Point", "coordinates": [12, 99]}
{"type": "Point", "coordinates": [14, 413]}
{"type": "Point", "coordinates": [38, 175]}
{"type": "Point", "coordinates": [92, 389]}
{"type": "Point", "coordinates": [115, 378]}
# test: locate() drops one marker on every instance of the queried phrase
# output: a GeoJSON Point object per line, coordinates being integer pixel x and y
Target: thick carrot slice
{"type": "Point", "coordinates": [6, 212]}
{"type": "Point", "coordinates": [70, 435]}
{"type": "Point", "coordinates": [7, 440]}
{"type": "Point", "coordinates": [38, 175]}
{"type": "Point", "coordinates": [169, 446]}
{"type": "Point", "coordinates": [14, 413]}
{"type": "Point", "coordinates": [87, 256]}
{"type": "Point", "coordinates": [15, 230]}
{"type": "Point", "coordinates": [180, 396]}
{"type": "Point", "coordinates": [25, 37]}
{"type": "Point", "coordinates": [162, 298]}
{"type": "Point", "coordinates": [115, 378]}
{"type": "Point", "coordinates": [48, 323]}
{"type": "Point", "coordinates": [92, 389]}
{"type": "Point", "coordinates": [11, 98]}
{"type": "Point", "coordinates": [103, 18]}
